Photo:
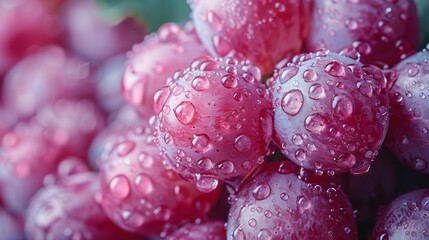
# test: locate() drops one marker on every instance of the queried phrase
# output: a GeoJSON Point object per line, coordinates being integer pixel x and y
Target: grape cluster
{"type": "Point", "coordinates": [273, 119]}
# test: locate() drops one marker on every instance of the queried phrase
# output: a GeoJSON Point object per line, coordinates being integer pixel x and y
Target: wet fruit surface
{"type": "Point", "coordinates": [264, 32]}
{"type": "Point", "coordinates": [26, 157]}
{"type": "Point", "coordinates": [211, 230]}
{"type": "Point", "coordinates": [227, 121]}
{"type": "Point", "coordinates": [210, 117]}
{"type": "Point", "coordinates": [384, 32]}
{"type": "Point", "coordinates": [147, 71]}
{"type": "Point", "coordinates": [69, 209]}
{"type": "Point", "coordinates": [276, 203]}
{"type": "Point", "coordinates": [140, 195]}
{"type": "Point", "coordinates": [330, 112]}
{"type": "Point", "coordinates": [44, 77]}
{"type": "Point", "coordinates": [404, 218]}
{"type": "Point", "coordinates": [408, 97]}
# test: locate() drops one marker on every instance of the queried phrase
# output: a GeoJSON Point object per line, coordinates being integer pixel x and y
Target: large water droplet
{"type": "Point", "coordinates": [292, 102]}
{"type": "Point", "coordinates": [206, 183]}
{"type": "Point", "coordinates": [200, 83]}
{"type": "Point", "coordinates": [315, 123]}
{"type": "Point", "coordinates": [144, 184]}
{"type": "Point", "coordinates": [200, 143]}
{"type": "Point", "coordinates": [346, 160]}
{"type": "Point", "coordinates": [361, 167]}
{"type": "Point", "coordinates": [300, 155]}
{"type": "Point", "coordinates": [303, 203]}
{"type": "Point", "coordinates": [226, 167]}
{"type": "Point", "coordinates": [221, 45]}
{"type": "Point", "coordinates": [205, 164]}
{"type": "Point", "coordinates": [342, 106]}
{"type": "Point", "coordinates": [288, 73]}
{"type": "Point", "coordinates": [242, 143]}
{"type": "Point", "coordinates": [252, 222]}
{"type": "Point", "coordinates": [132, 219]}
{"type": "Point", "coordinates": [316, 92]}
{"type": "Point", "coordinates": [335, 69]}
{"type": "Point", "coordinates": [262, 191]}
{"type": "Point", "coordinates": [239, 234]}
{"type": "Point", "coordinates": [119, 187]}
{"type": "Point", "coordinates": [215, 20]}
{"type": "Point", "coordinates": [229, 81]}
{"type": "Point", "coordinates": [185, 112]}
{"type": "Point", "coordinates": [160, 98]}
{"type": "Point", "coordinates": [310, 75]}
{"type": "Point", "coordinates": [264, 234]}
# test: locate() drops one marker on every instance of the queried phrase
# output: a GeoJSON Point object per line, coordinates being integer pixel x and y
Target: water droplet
{"type": "Point", "coordinates": [145, 160]}
{"type": "Point", "coordinates": [351, 24]}
{"type": "Point", "coordinates": [303, 203]}
{"type": "Point", "coordinates": [246, 165]}
{"type": "Point", "coordinates": [132, 219]}
{"type": "Point", "coordinates": [383, 236]}
{"type": "Point", "coordinates": [185, 112]}
{"type": "Point", "coordinates": [264, 234]}
{"type": "Point", "coordinates": [405, 140]}
{"type": "Point", "coordinates": [124, 148]}
{"type": "Point", "coordinates": [252, 222]}
{"type": "Point", "coordinates": [229, 81]}
{"type": "Point", "coordinates": [284, 196]}
{"type": "Point", "coordinates": [206, 183]}
{"type": "Point", "coordinates": [226, 167]}
{"type": "Point", "coordinates": [119, 187]}
{"type": "Point", "coordinates": [347, 160]}
{"type": "Point", "coordinates": [262, 191]}
{"type": "Point", "coordinates": [160, 98]}
{"type": "Point", "coordinates": [361, 167]}
{"type": "Point", "coordinates": [168, 138]}
{"type": "Point", "coordinates": [363, 48]}
{"type": "Point", "coordinates": [297, 139]}
{"type": "Point", "coordinates": [413, 71]}
{"type": "Point", "coordinates": [200, 83]}
{"type": "Point", "coordinates": [300, 155]}
{"type": "Point", "coordinates": [239, 234]}
{"type": "Point", "coordinates": [200, 143]}
{"type": "Point", "coordinates": [316, 92]}
{"type": "Point", "coordinates": [215, 20]}
{"type": "Point", "coordinates": [335, 69]}
{"type": "Point", "coordinates": [425, 203]}
{"type": "Point", "coordinates": [288, 73]}
{"type": "Point", "coordinates": [310, 75]}
{"type": "Point", "coordinates": [242, 143]}
{"type": "Point", "coordinates": [342, 106]}
{"type": "Point", "coordinates": [292, 102]}
{"type": "Point", "coordinates": [365, 88]}
{"type": "Point", "coordinates": [221, 45]}
{"type": "Point", "coordinates": [315, 123]}
{"type": "Point", "coordinates": [205, 164]}
{"type": "Point", "coordinates": [420, 164]}
{"type": "Point", "coordinates": [144, 184]}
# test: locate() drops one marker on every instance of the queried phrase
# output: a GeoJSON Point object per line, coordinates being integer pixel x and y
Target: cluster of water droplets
{"type": "Point", "coordinates": [271, 202]}
{"type": "Point", "coordinates": [209, 116]}
{"type": "Point", "coordinates": [140, 190]}
{"type": "Point", "coordinates": [316, 94]}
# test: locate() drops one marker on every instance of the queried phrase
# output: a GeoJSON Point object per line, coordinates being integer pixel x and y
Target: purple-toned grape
{"type": "Point", "coordinates": [405, 218]}
{"type": "Point", "coordinates": [277, 202]}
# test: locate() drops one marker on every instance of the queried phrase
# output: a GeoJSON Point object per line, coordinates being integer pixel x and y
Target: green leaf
{"type": "Point", "coordinates": [153, 13]}
{"type": "Point", "coordinates": [423, 7]}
